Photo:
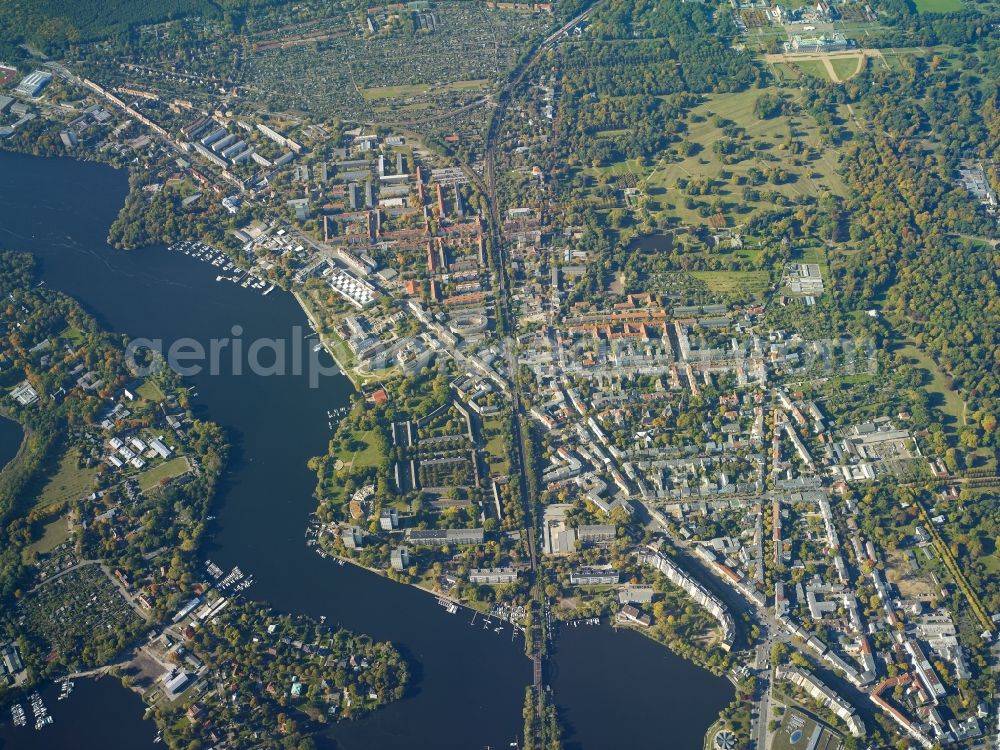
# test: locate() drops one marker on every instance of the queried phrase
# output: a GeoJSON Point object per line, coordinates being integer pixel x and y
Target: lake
{"type": "Point", "coordinates": [98, 714]}
{"type": "Point", "coordinates": [652, 243]}
{"type": "Point", "coordinates": [11, 436]}
{"type": "Point", "coordinates": [617, 689]}
{"type": "Point", "coordinates": [468, 682]}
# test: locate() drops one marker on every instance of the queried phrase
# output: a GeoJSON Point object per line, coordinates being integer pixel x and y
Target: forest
{"type": "Point", "coordinates": [51, 25]}
{"type": "Point", "coordinates": [624, 97]}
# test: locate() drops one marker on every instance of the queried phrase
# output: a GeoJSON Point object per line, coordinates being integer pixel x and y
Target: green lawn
{"type": "Point", "coordinates": [495, 449]}
{"type": "Point", "coordinates": [617, 169]}
{"type": "Point", "coordinates": [364, 455]}
{"type": "Point", "coordinates": [150, 391]}
{"type": "Point", "coordinates": [72, 335]}
{"type": "Point", "coordinates": [785, 72]}
{"type": "Point", "coordinates": [845, 67]}
{"type": "Point", "coordinates": [498, 456]}
{"type": "Point", "coordinates": [814, 68]}
{"type": "Point", "coordinates": [56, 532]}
{"type": "Point", "coordinates": [991, 563]}
{"type": "Point", "coordinates": [167, 470]}
{"type": "Point", "coordinates": [949, 401]}
{"type": "Point", "coordinates": [807, 177]}
{"type": "Point", "coordinates": [937, 6]}
{"type": "Point", "coordinates": [810, 255]}
{"type": "Point", "coordinates": [394, 92]}
{"type": "Point", "coordinates": [68, 483]}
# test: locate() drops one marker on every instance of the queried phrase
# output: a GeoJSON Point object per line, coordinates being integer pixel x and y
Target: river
{"type": "Point", "coordinates": [468, 682]}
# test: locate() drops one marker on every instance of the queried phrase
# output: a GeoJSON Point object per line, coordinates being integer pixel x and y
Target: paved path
{"type": "Point", "coordinates": [827, 58]}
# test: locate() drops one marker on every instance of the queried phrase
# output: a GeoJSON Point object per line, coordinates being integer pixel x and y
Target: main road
{"type": "Point", "coordinates": [507, 324]}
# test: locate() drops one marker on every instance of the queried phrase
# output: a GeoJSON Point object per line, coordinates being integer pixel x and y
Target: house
{"type": "Point", "coordinates": [159, 447]}
{"type": "Point", "coordinates": [595, 533]}
{"type": "Point", "coordinates": [12, 659]}
{"type": "Point", "coordinates": [34, 83]}
{"type": "Point", "coordinates": [635, 616]}
{"type": "Point", "coordinates": [24, 394]}
{"type": "Point", "coordinates": [176, 683]}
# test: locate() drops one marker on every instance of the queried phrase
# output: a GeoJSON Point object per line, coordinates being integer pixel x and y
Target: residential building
{"type": "Point", "coordinates": [388, 519]}
{"type": "Point", "coordinates": [399, 558]}
{"type": "Point", "coordinates": [493, 576]}
{"type": "Point", "coordinates": [441, 537]}
{"type": "Point", "coordinates": [586, 576]}
{"type": "Point", "coordinates": [353, 537]}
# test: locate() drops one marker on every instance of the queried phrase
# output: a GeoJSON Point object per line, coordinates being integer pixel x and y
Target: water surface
{"type": "Point", "coordinates": [618, 689]}
{"type": "Point", "coordinates": [468, 682]}
{"type": "Point", "coordinates": [11, 436]}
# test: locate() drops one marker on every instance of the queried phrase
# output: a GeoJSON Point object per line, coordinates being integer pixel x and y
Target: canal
{"type": "Point", "coordinates": [468, 682]}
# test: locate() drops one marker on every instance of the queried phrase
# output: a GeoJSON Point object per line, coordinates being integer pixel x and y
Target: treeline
{"type": "Point", "coordinates": [902, 25]}
{"type": "Point", "coordinates": [162, 219]}
{"type": "Point", "coordinates": [937, 288]}
{"type": "Point", "coordinates": [647, 126]}
{"type": "Point", "coordinates": [51, 25]}
{"type": "Point", "coordinates": [910, 217]}
{"type": "Point", "coordinates": [679, 47]}
{"type": "Point", "coordinates": [635, 71]}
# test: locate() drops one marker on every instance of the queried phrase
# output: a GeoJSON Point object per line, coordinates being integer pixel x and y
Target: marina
{"type": "Point", "coordinates": [39, 711]}
{"type": "Point", "coordinates": [96, 714]}
{"type": "Point", "coordinates": [217, 259]}
{"type": "Point", "coordinates": [18, 716]}
{"type": "Point", "coordinates": [65, 689]}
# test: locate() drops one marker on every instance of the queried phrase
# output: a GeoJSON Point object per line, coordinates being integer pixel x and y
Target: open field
{"type": "Point", "coordinates": [618, 169]}
{"type": "Point", "coordinates": [396, 92]}
{"type": "Point", "coordinates": [834, 66]}
{"type": "Point", "coordinates": [72, 335]}
{"type": "Point", "coordinates": [945, 398]}
{"type": "Point", "coordinates": [814, 68]}
{"type": "Point", "coordinates": [913, 584]}
{"type": "Point", "coordinates": [167, 470]}
{"type": "Point", "coordinates": [69, 482]}
{"type": "Point", "coordinates": [496, 449]}
{"type": "Point", "coordinates": [56, 532]}
{"type": "Point", "coordinates": [847, 67]}
{"type": "Point", "coordinates": [149, 391]}
{"type": "Point", "coordinates": [789, 143]}
{"type": "Point", "coordinates": [937, 6]}
{"type": "Point", "coordinates": [362, 452]}
{"type": "Point", "coordinates": [729, 282]}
